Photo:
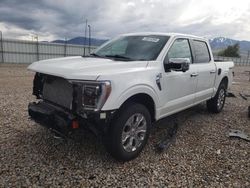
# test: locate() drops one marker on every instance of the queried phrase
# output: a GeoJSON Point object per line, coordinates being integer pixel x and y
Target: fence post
{"type": "Point", "coordinates": [65, 47]}
{"type": "Point", "coordinates": [2, 51]}
{"type": "Point", "coordinates": [37, 49]}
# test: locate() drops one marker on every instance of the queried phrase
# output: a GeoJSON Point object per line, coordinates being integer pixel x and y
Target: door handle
{"type": "Point", "coordinates": [194, 74]}
{"type": "Point", "coordinates": [212, 71]}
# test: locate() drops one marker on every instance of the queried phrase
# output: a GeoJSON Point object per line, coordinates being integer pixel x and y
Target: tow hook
{"type": "Point", "coordinates": [75, 124]}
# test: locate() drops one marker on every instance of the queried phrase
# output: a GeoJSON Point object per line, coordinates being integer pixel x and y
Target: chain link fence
{"type": "Point", "coordinates": [21, 51]}
{"type": "Point", "coordinates": [237, 61]}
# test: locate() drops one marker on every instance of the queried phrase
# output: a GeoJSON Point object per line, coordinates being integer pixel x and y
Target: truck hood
{"type": "Point", "coordinates": [84, 68]}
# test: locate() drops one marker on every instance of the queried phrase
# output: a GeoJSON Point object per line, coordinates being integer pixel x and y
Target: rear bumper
{"type": "Point", "coordinates": [50, 116]}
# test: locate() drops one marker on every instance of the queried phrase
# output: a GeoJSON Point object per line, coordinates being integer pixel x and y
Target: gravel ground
{"type": "Point", "coordinates": [202, 156]}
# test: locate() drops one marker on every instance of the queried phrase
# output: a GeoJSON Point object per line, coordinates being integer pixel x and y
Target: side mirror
{"type": "Point", "coordinates": [178, 64]}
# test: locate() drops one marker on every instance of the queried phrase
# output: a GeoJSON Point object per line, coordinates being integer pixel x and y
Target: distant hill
{"type": "Point", "coordinates": [220, 43]}
{"type": "Point", "coordinates": [82, 41]}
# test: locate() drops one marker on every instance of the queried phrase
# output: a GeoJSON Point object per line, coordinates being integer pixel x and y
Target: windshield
{"type": "Point", "coordinates": [141, 48]}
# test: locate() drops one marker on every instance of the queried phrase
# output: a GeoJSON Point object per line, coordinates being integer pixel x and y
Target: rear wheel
{"type": "Point", "coordinates": [216, 104]}
{"type": "Point", "coordinates": [128, 132]}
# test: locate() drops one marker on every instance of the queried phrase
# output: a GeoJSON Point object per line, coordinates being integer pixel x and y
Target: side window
{"type": "Point", "coordinates": [201, 52]}
{"type": "Point", "coordinates": [179, 49]}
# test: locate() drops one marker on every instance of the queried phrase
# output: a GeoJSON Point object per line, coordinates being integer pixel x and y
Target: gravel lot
{"type": "Point", "coordinates": [202, 156]}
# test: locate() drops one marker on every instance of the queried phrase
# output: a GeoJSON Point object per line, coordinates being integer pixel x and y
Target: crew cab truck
{"type": "Point", "coordinates": [126, 85]}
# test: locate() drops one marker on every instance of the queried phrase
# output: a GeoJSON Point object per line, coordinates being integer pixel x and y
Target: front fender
{"type": "Point", "coordinates": [144, 89]}
{"type": "Point", "coordinates": [134, 90]}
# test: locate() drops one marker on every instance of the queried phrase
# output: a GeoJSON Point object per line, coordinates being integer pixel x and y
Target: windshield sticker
{"type": "Point", "coordinates": [150, 39]}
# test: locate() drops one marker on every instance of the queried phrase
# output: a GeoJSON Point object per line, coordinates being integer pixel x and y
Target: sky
{"type": "Point", "coordinates": [60, 19]}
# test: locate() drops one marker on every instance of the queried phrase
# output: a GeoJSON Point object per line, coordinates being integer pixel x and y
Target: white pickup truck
{"type": "Point", "coordinates": [126, 85]}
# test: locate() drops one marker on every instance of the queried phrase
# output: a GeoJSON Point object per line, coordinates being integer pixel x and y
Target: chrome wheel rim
{"type": "Point", "coordinates": [134, 132]}
{"type": "Point", "coordinates": [221, 98]}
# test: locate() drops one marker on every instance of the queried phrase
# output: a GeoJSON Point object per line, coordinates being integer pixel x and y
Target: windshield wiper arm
{"type": "Point", "coordinates": [96, 55]}
{"type": "Point", "coordinates": [119, 56]}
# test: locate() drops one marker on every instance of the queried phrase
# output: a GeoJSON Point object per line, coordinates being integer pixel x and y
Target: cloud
{"type": "Point", "coordinates": [59, 19]}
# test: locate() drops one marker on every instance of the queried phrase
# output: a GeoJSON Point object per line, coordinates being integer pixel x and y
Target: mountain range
{"type": "Point", "coordinates": [217, 43]}
{"type": "Point", "coordinates": [222, 42]}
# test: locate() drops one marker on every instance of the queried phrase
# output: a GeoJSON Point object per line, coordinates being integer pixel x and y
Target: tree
{"type": "Point", "coordinates": [231, 51]}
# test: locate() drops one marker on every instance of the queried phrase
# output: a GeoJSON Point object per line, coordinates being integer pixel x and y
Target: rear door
{"type": "Point", "coordinates": [206, 70]}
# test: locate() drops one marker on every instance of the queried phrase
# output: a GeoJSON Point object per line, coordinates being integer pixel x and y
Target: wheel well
{"type": "Point", "coordinates": [225, 80]}
{"type": "Point", "coordinates": [145, 100]}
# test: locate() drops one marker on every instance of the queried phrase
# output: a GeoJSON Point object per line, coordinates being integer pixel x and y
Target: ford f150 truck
{"type": "Point", "coordinates": [126, 85]}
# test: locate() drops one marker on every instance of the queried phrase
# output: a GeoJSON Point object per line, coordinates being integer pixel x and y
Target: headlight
{"type": "Point", "coordinates": [95, 94]}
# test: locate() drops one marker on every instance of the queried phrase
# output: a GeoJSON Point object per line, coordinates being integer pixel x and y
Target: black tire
{"type": "Point", "coordinates": [119, 127]}
{"type": "Point", "coordinates": [216, 104]}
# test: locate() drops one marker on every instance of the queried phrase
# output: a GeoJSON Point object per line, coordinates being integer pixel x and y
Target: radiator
{"type": "Point", "coordinates": [59, 91]}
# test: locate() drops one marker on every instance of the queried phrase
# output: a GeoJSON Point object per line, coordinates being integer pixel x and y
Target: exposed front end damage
{"type": "Point", "coordinates": [51, 117]}
{"type": "Point", "coordinates": [64, 105]}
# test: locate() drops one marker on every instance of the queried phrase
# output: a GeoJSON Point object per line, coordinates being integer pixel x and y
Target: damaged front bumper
{"type": "Point", "coordinates": [50, 116]}
{"type": "Point", "coordinates": [64, 121]}
{"type": "Point", "coordinates": [66, 105]}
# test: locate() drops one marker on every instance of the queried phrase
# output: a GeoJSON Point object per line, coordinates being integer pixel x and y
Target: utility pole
{"type": "Point", "coordinates": [85, 36]}
{"type": "Point", "coordinates": [89, 37]}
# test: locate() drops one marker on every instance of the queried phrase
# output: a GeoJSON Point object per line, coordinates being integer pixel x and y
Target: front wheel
{"type": "Point", "coordinates": [216, 104]}
{"type": "Point", "coordinates": [128, 132]}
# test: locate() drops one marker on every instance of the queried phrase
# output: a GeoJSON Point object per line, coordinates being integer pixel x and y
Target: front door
{"type": "Point", "coordinates": [178, 88]}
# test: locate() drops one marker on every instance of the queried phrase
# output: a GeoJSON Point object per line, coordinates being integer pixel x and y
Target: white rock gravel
{"type": "Point", "coordinates": [202, 156]}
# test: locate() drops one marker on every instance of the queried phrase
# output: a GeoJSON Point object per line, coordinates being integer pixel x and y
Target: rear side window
{"type": "Point", "coordinates": [201, 52]}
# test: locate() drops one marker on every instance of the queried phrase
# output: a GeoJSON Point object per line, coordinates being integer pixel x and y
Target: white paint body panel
{"type": "Point", "coordinates": [179, 89]}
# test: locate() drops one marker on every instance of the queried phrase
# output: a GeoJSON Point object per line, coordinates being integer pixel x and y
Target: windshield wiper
{"type": "Point", "coordinates": [96, 55]}
{"type": "Point", "coordinates": [120, 57]}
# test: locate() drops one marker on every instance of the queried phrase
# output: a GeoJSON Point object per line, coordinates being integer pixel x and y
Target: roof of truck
{"type": "Point", "coordinates": [167, 34]}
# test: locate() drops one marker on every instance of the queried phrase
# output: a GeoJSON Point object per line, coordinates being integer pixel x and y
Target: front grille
{"type": "Point", "coordinates": [59, 91]}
